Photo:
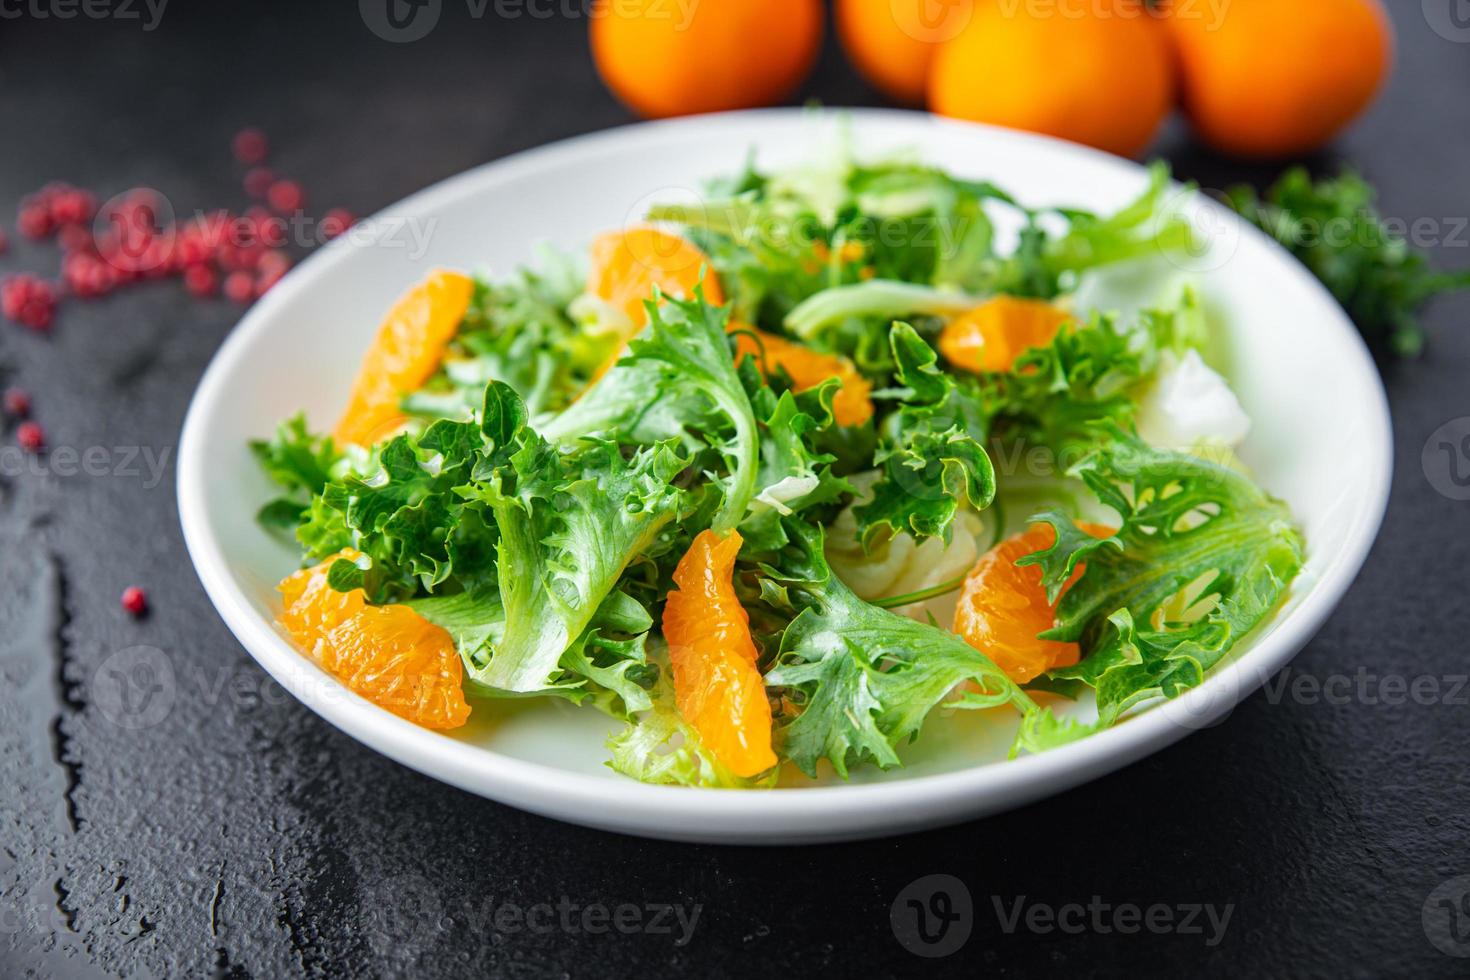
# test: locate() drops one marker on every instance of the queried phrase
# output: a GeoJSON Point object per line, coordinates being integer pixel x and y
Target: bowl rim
{"type": "Point", "coordinates": [847, 811]}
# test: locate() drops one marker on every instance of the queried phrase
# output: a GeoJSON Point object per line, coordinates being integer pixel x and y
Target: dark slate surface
{"type": "Point", "coordinates": [240, 834]}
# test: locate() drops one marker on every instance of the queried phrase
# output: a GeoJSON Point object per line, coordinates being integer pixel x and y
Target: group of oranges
{"type": "Point", "coordinates": [1257, 78]}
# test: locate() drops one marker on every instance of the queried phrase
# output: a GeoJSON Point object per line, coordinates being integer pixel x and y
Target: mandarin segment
{"type": "Point", "coordinates": [990, 337]}
{"type": "Point", "coordinates": [1003, 606]}
{"type": "Point", "coordinates": [717, 685]}
{"type": "Point", "coordinates": [807, 369]}
{"type": "Point", "coordinates": [627, 265]}
{"type": "Point", "coordinates": [389, 655]}
{"type": "Point", "coordinates": [404, 355]}
{"type": "Point", "coordinates": [400, 661]}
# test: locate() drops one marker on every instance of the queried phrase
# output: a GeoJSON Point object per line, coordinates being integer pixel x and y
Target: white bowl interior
{"type": "Point", "coordinates": [1320, 441]}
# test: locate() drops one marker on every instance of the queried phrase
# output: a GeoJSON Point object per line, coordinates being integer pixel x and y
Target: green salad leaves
{"type": "Point", "coordinates": [1202, 556]}
{"type": "Point", "coordinates": [551, 476]}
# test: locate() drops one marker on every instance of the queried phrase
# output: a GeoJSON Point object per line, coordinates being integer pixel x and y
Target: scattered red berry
{"type": "Point", "coordinates": [17, 403]}
{"type": "Point", "coordinates": [4, 242]}
{"type": "Point", "coordinates": [251, 146]}
{"type": "Point", "coordinates": [286, 196]}
{"type": "Point", "coordinates": [34, 219]}
{"type": "Point", "coordinates": [336, 221]}
{"type": "Point", "coordinates": [87, 275]}
{"type": "Point", "coordinates": [75, 238]}
{"type": "Point", "coordinates": [30, 436]}
{"type": "Point", "coordinates": [72, 206]}
{"type": "Point", "coordinates": [29, 301]}
{"type": "Point", "coordinates": [135, 600]}
{"type": "Point", "coordinates": [201, 280]}
{"type": "Point", "coordinates": [240, 287]}
{"type": "Point", "coordinates": [258, 181]}
{"type": "Point", "coordinates": [266, 228]}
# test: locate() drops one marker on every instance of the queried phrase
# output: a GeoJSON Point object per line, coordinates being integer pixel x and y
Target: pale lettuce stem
{"type": "Point", "coordinates": [886, 298]}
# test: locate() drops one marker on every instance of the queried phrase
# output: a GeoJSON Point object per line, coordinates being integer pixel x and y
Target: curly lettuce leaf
{"type": "Point", "coordinates": [1057, 394]}
{"type": "Point", "coordinates": [863, 679]}
{"type": "Point", "coordinates": [517, 331]}
{"type": "Point", "coordinates": [932, 459]}
{"type": "Point", "coordinates": [678, 380]}
{"type": "Point", "coordinates": [569, 527]}
{"type": "Point", "coordinates": [794, 475]}
{"type": "Point", "coordinates": [658, 746]}
{"type": "Point", "coordinates": [1201, 558]}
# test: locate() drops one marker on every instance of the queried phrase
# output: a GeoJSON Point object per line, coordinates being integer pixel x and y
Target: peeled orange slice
{"type": "Point", "coordinates": [717, 686]}
{"type": "Point", "coordinates": [1003, 606]}
{"type": "Point", "coordinates": [807, 369]}
{"type": "Point", "coordinates": [991, 336]}
{"type": "Point", "coordinates": [404, 355]}
{"type": "Point", "coordinates": [626, 265]}
{"type": "Point", "coordinates": [389, 655]}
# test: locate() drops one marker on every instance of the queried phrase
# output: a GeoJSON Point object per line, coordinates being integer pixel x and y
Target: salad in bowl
{"type": "Point", "coordinates": [778, 478]}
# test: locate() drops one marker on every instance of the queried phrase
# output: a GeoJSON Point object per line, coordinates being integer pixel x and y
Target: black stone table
{"type": "Point", "coordinates": [242, 836]}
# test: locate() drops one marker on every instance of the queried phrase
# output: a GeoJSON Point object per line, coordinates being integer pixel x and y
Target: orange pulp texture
{"type": "Point", "coordinates": [991, 336]}
{"type": "Point", "coordinates": [404, 355]}
{"type": "Point", "coordinates": [717, 686]}
{"type": "Point", "coordinates": [389, 655]}
{"type": "Point", "coordinates": [1003, 606]}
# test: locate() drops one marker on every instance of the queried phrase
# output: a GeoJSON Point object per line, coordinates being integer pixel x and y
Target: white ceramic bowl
{"type": "Point", "coordinates": [1321, 441]}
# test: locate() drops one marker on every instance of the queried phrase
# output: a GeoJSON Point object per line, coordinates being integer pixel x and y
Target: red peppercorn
{"type": "Point", "coordinates": [28, 301]}
{"type": "Point", "coordinates": [267, 228]}
{"type": "Point", "coordinates": [251, 146]}
{"type": "Point", "coordinates": [240, 287]}
{"type": "Point", "coordinates": [273, 263]}
{"type": "Point", "coordinates": [135, 600]}
{"type": "Point", "coordinates": [87, 275]}
{"type": "Point", "coordinates": [17, 403]}
{"type": "Point", "coordinates": [258, 181]}
{"type": "Point", "coordinates": [286, 196]}
{"type": "Point", "coordinates": [34, 219]}
{"type": "Point", "coordinates": [30, 436]}
{"type": "Point", "coordinates": [72, 206]}
{"type": "Point", "coordinates": [75, 238]}
{"type": "Point", "coordinates": [270, 273]}
{"type": "Point", "coordinates": [201, 280]}
{"type": "Point", "coordinates": [335, 222]}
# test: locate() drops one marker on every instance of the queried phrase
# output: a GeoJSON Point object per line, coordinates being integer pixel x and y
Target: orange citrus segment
{"type": "Point", "coordinates": [404, 355]}
{"type": "Point", "coordinates": [991, 336]}
{"type": "Point", "coordinates": [389, 655]}
{"type": "Point", "coordinates": [626, 265]}
{"type": "Point", "coordinates": [807, 369]}
{"type": "Point", "coordinates": [1003, 606]}
{"type": "Point", "coordinates": [718, 688]}
{"type": "Point", "coordinates": [312, 607]}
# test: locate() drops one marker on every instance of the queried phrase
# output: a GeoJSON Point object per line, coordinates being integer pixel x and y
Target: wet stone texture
{"type": "Point", "coordinates": [166, 811]}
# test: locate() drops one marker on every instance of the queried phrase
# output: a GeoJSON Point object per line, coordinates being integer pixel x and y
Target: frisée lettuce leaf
{"type": "Point", "coordinates": [1201, 557]}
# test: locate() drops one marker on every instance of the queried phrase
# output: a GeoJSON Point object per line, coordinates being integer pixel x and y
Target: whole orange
{"type": "Point", "coordinates": [678, 57]}
{"type": "Point", "coordinates": [892, 42]}
{"type": "Point", "coordinates": [1266, 79]}
{"type": "Point", "coordinates": [1092, 71]}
